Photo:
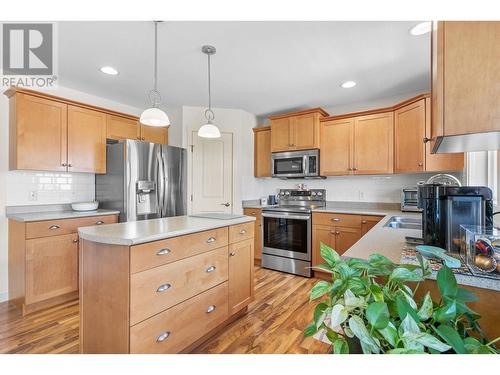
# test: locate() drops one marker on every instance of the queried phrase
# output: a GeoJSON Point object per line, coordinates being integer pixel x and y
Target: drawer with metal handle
{"type": "Point", "coordinates": [49, 228]}
{"type": "Point", "coordinates": [342, 220]}
{"type": "Point", "coordinates": [241, 232]}
{"type": "Point", "coordinates": [174, 329]}
{"type": "Point", "coordinates": [160, 288]}
{"type": "Point", "coordinates": [157, 253]}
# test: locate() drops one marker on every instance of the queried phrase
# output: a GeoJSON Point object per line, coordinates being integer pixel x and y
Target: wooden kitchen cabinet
{"type": "Point", "coordinates": [257, 213]}
{"type": "Point", "coordinates": [38, 133]}
{"type": "Point", "coordinates": [86, 140]}
{"type": "Point", "coordinates": [296, 130]}
{"type": "Point", "coordinates": [119, 128]}
{"type": "Point", "coordinates": [240, 275]}
{"type": "Point", "coordinates": [346, 237]}
{"type": "Point", "coordinates": [43, 261]}
{"type": "Point", "coordinates": [51, 267]}
{"type": "Point", "coordinates": [412, 123]}
{"type": "Point", "coordinates": [373, 149]}
{"type": "Point", "coordinates": [465, 76]}
{"type": "Point", "coordinates": [336, 147]}
{"type": "Point", "coordinates": [262, 152]}
{"type": "Point", "coordinates": [368, 222]}
{"type": "Point", "coordinates": [154, 134]}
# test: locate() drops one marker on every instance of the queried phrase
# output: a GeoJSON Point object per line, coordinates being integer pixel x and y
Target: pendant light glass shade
{"type": "Point", "coordinates": [209, 130]}
{"type": "Point", "coordinates": [154, 116]}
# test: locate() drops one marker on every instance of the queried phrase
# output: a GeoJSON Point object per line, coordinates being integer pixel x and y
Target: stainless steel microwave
{"type": "Point", "coordinates": [295, 164]}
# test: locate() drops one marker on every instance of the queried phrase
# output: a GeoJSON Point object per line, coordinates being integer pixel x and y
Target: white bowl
{"type": "Point", "coordinates": [84, 206]}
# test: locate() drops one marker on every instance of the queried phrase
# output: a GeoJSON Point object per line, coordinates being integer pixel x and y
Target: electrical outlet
{"type": "Point", "coordinates": [32, 196]}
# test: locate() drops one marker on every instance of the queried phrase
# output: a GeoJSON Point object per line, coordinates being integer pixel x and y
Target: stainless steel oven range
{"type": "Point", "coordinates": [287, 231]}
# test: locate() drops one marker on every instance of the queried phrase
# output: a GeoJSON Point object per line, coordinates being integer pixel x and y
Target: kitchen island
{"type": "Point", "coordinates": [163, 285]}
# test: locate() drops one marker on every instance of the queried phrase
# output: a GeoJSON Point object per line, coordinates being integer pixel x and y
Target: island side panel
{"type": "Point", "coordinates": [104, 298]}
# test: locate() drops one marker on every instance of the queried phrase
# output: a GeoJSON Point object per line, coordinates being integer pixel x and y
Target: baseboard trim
{"type": "Point", "coordinates": [4, 296]}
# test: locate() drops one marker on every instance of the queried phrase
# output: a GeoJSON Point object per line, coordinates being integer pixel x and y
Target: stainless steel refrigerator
{"type": "Point", "coordinates": [143, 180]}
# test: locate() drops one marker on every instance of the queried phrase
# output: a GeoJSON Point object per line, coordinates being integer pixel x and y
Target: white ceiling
{"type": "Point", "coordinates": [261, 67]}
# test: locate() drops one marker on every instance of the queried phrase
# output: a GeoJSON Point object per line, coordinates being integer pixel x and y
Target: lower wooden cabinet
{"type": "Point", "coordinates": [51, 267]}
{"type": "Point", "coordinates": [257, 213]}
{"type": "Point", "coordinates": [339, 231]}
{"type": "Point", "coordinates": [43, 261]}
{"type": "Point", "coordinates": [143, 306]}
{"type": "Point", "coordinates": [240, 275]}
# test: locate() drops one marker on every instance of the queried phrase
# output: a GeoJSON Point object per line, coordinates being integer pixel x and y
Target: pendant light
{"type": "Point", "coordinates": [154, 116]}
{"type": "Point", "coordinates": [209, 130]}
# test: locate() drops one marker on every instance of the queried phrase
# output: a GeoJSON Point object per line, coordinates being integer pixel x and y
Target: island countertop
{"type": "Point", "coordinates": [137, 232]}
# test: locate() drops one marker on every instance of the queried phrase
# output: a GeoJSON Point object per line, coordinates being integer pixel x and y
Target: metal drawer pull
{"type": "Point", "coordinates": [336, 219]}
{"type": "Point", "coordinates": [75, 241]}
{"type": "Point", "coordinates": [363, 222]}
{"type": "Point", "coordinates": [243, 231]}
{"type": "Point", "coordinates": [163, 251]}
{"type": "Point", "coordinates": [210, 309]}
{"type": "Point", "coordinates": [232, 254]}
{"type": "Point", "coordinates": [163, 288]}
{"type": "Point", "coordinates": [211, 239]}
{"type": "Point", "coordinates": [163, 336]}
{"type": "Point", "coordinates": [211, 269]}
{"type": "Point", "coordinates": [99, 222]}
{"type": "Point", "coordinates": [54, 227]}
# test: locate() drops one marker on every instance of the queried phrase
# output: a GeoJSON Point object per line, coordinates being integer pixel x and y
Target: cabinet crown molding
{"type": "Point", "coordinates": [321, 111]}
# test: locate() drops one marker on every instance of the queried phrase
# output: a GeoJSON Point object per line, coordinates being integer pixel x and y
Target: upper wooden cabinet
{"type": "Point", "coordinates": [154, 134]}
{"type": "Point", "coordinates": [465, 76]}
{"type": "Point", "coordinates": [119, 128]}
{"type": "Point", "coordinates": [357, 145]}
{"type": "Point", "coordinates": [296, 130]}
{"type": "Point", "coordinates": [262, 152]}
{"type": "Point", "coordinates": [86, 140]}
{"type": "Point", "coordinates": [412, 127]}
{"type": "Point", "coordinates": [38, 133]}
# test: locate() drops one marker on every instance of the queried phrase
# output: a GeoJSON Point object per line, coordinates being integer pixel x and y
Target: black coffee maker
{"type": "Point", "coordinates": [446, 207]}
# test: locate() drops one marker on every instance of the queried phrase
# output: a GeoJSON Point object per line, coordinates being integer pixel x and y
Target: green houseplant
{"type": "Point", "coordinates": [370, 307]}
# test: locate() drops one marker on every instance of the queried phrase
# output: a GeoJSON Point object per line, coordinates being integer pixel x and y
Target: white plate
{"type": "Point", "coordinates": [84, 206]}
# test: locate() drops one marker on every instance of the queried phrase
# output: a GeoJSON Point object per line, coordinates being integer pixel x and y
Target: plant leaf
{"type": "Point", "coordinates": [340, 347]}
{"type": "Point", "coordinates": [338, 316]}
{"type": "Point", "coordinates": [409, 299]}
{"type": "Point", "coordinates": [377, 314]}
{"type": "Point", "coordinates": [324, 267]}
{"type": "Point", "coordinates": [331, 335]}
{"type": "Point", "coordinates": [390, 334]}
{"type": "Point", "coordinates": [471, 344]}
{"type": "Point", "coordinates": [404, 351]}
{"type": "Point", "coordinates": [446, 313]}
{"type": "Point", "coordinates": [425, 266]}
{"type": "Point", "coordinates": [425, 311]}
{"type": "Point", "coordinates": [451, 337]}
{"type": "Point", "coordinates": [319, 313]}
{"type": "Point", "coordinates": [330, 256]}
{"type": "Point", "coordinates": [351, 301]}
{"type": "Point", "coordinates": [348, 332]}
{"type": "Point", "coordinates": [358, 327]}
{"type": "Point", "coordinates": [310, 330]}
{"type": "Point", "coordinates": [407, 330]}
{"type": "Point", "coordinates": [377, 293]}
{"type": "Point", "coordinates": [446, 282]}
{"type": "Point", "coordinates": [337, 286]}
{"type": "Point", "coordinates": [428, 341]}
{"type": "Point", "coordinates": [320, 289]}
{"type": "Point", "coordinates": [403, 309]}
{"type": "Point", "coordinates": [378, 260]}
{"type": "Point", "coordinates": [401, 274]}
{"type": "Point", "coordinates": [464, 295]}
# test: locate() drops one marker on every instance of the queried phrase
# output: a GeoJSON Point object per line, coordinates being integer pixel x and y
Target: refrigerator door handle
{"type": "Point", "coordinates": [159, 182]}
{"type": "Point", "coordinates": [162, 179]}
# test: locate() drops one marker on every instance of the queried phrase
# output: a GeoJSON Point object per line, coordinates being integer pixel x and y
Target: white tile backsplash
{"type": "Point", "coordinates": [48, 187]}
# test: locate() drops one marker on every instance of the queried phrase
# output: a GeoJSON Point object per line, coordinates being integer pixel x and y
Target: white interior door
{"type": "Point", "coordinates": [212, 174]}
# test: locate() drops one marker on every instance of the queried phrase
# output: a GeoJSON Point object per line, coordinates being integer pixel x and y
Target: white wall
{"type": "Point", "coordinates": [235, 121]}
{"type": "Point", "coordinates": [50, 188]}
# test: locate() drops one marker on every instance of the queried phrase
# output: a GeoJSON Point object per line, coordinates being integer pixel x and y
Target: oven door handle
{"type": "Point", "coordinates": [286, 216]}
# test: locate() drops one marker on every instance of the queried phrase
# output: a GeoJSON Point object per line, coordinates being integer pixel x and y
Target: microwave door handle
{"type": "Point", "coordinates": [305, 165]}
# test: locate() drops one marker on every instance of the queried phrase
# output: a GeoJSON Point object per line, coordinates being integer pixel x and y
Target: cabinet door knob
{"type": "Point", "coordinates": [243, 231]}
{"type": "Point", "coordinates": [64, 164]}
{"type": "Point", "coordinates": [163, 252]}
{"type": "Point", "coordinates": [54, 227]}
{"type": "Point", "coordinates": [426, 139]}
{"type": "Point", "coordinates": [232, 254]}
{"type": "Point", "coordinates": [335, 219]}
{"type": "Point", "coordinates": [163, 336]}
{"type": "Point", "coordinates": [355, 169]}
{"type": "Point", "coordinates": [143, 138]}
{"type": "Point", "coordinates": [100, 222]}
{"type": "Point", "coordinates": [210, 239]}
{"type": "Point", "coordinates": [337, 233]}
{"type": "Point", "coordinates": [363, 222]}
{"type": "Point", "coordinates": [75, 241]}
{"type": "Point", "coordinates": [210, 309]}
{"type": "Point", "coordinates": [70, 165]}
{"type": "Point", "coordinates": [163, 288]}
{"type": "Point", "coordinates": [210, 269]}
{"type": "Point", "coordinates": [420, 164]}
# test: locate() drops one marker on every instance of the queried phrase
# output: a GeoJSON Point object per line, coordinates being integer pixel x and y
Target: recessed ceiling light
{"type": "Point", "coordinates": [348, 84]}
{"type": "Point", "coordinates": [421, 28]}
{"type": "Point", "coordinates": [109, 70]}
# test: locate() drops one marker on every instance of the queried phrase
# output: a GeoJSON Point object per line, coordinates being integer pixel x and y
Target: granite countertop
{"type": "Point", "coordinates": [363, 211]}
{"type": "Point", "coordinates": [56, 215]}
{"type": "Point", "coordinates": [137, 232]}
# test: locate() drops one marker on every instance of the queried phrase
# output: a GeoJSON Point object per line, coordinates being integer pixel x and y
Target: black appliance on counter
{"type": "Point", "coordinates": [446, 207]}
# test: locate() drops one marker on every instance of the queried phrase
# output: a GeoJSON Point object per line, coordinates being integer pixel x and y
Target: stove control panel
{"type": "Point", "coordinates": [303, 195]}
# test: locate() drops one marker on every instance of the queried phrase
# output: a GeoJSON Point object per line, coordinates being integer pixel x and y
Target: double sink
{"type": "Point", "coordinates": [401, 222]}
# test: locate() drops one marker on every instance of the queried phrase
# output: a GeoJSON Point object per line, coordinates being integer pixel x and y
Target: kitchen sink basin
{"type": "Point", "coordinates": [400, 222]}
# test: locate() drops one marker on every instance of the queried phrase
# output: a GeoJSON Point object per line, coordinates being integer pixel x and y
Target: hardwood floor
{"type": "Point", "coordinates": [274, 323]}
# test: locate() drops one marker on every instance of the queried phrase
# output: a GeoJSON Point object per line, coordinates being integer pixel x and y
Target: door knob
{"type": "Point", "coordinates": [227, 204]}
{"type": "Point", "coordinates": [426, 139]}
